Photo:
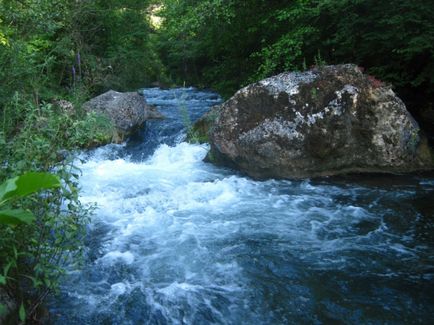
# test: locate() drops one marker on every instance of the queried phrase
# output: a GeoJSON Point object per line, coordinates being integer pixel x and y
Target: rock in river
{"type": "Point", "coordinates": [127, 111]}
{"type": "Point", "coordinates": [326, 121]}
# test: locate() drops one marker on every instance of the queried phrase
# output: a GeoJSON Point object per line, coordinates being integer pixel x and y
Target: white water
{"type": "Point", "coordinates": [178, 241]}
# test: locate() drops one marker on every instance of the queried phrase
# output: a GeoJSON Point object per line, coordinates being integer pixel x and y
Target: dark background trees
{"type": "Point", "coordinates": [222, 44]}
{"type": "Point", "coordinates": [227, 44]}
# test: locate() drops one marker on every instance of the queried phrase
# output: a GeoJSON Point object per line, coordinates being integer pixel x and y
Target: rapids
{"type": "Point", "coordinates": [176, 240]}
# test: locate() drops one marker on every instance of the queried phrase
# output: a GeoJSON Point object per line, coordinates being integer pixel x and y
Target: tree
{"type": "Point", "coordinates": [227, 44]}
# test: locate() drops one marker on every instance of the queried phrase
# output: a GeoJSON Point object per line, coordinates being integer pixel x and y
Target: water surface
{"type": "Point", "coordinates": [179, 241]}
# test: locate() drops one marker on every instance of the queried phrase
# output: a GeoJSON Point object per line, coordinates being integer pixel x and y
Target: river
{"type": "Point", "coordinates": [176, 240]}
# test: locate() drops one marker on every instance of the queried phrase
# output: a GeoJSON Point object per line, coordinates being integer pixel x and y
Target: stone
{"type": "Point", "coordinates": [127, 111]}
{"type": "Point", "coordinates": [65, 106]}
{"type": "Point", "coordinates": [327, 121]}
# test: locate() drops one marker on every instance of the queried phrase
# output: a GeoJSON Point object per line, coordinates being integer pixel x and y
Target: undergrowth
{"type": "Point", "coordinates": [43, 138]}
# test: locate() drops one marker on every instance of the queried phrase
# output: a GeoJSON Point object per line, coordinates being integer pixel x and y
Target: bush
{"type": "Point", "coordinates": [33, 256]}
{"type": "Point", "coordinates": [79, 49]}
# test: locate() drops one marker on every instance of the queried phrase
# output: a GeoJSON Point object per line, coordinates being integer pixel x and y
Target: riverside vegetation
{"type": "Point", "coordinates": [83, 48]}
{"type": "Point", "coordinates": [47, 56]}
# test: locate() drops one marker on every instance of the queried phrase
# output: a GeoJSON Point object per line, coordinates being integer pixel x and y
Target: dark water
{"type": "Point", "coordinates": [179, 241]}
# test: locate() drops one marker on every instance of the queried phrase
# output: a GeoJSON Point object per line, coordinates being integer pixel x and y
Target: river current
{"type": "Point", "coordinates": [175, 240]}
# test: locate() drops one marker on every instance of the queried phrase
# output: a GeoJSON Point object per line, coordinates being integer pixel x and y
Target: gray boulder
{"type": "Point", "coordinates": [127, 111]}
{"type": "Point", "coordinates": [327, 121]}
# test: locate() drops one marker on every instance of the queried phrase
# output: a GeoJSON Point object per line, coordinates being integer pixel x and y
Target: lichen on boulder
{"type": "Point", "coordinates": [326, 121]}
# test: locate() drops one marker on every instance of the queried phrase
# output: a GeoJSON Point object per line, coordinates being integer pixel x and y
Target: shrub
{"type": "Point", "coordinates": [33, 256]}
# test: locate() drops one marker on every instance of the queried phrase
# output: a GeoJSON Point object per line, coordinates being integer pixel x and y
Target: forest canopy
{"type": "Point", "coordinates": [227, 44]}
{"type": "Point", "coordinates": [221, 44]}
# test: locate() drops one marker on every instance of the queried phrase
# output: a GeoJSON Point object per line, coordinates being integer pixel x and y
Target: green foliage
{"type": "Point", "coordinates": [29, 183]}
{"type": "Point", "coordinates": [115, 42]}
{"type": "Point", "coordinates": [226, 44]}
{"type": "Point", "coordinates": [35, 246]}
{"type": "Point", "coordinates": [319, 61]}
{"type": "Point", "coordinates": [21, 186]}
{"type": "Point", "coordinates": [15, 217]}
{"type": "Point", "coordinates": [52, 49]}
{"type": "Point", "coordinates": [22, 313]}
{"type": "Point", "coordinates": [93, 130]}
{"type": "Point", "coordinates": [51, 128]}
{"type": "Point", "coordinates": [192, 136]}
{"type": "Point", "coordinates": [211, 42]}
{"type": "Point", "coordinates": [97, 45]}
{"type": "Point", "coordinates": [199, 131]}
{"type": "Point", "coordinates": [32, 255]}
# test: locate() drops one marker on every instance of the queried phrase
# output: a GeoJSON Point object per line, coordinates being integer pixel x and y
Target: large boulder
{"type": "Point", "coordinates": [127, 111]}
{"type": "Point", "coordinates": [327, 121]}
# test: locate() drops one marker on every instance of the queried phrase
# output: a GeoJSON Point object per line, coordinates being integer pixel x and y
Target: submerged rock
{"type": "Point", "coordinates": [127, 111]}
{"type": "Point", "coordinates": [326, 121]}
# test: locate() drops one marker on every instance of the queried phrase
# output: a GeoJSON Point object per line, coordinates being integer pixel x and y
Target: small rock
{"type": "Point", "coordinates": [65, 106]}
{"type": "Point", "coordinates": [127, 111]}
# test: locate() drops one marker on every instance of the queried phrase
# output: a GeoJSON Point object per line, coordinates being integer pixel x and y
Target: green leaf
{"type": "Point", "coordinates": [2, 280]}
{"type": "Point", "coordinates": [22, 313]}
{"type": "Point", "coordinates": [7, 187]}
{"type": "Point", "coordinates": [16, 217]}
{"type": "Point", "coordinates": [27, 184]}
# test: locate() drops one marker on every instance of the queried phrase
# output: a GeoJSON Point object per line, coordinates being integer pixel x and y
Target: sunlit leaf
{"type": "Point", "coordinates": [27, 184]}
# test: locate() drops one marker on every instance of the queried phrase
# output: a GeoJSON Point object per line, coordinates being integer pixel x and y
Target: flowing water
{"type": "Point", "coordinates": [179, 241]}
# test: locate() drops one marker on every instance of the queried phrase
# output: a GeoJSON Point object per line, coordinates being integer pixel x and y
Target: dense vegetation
{"type": "Point", "coordinates": [228, 44]}
{"type": "Point", "coordinates": [52, 50]}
